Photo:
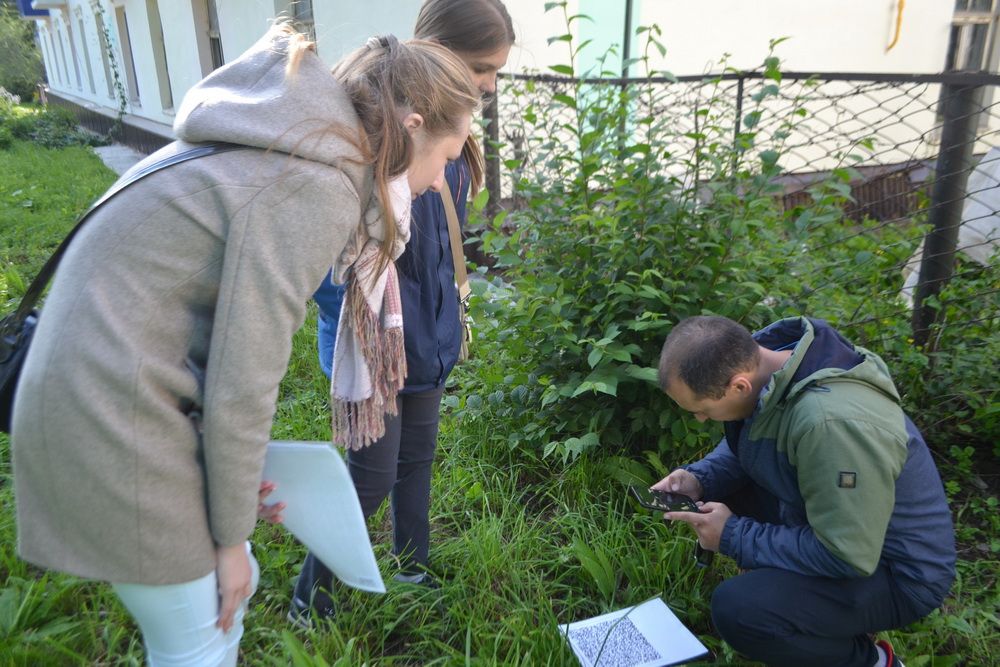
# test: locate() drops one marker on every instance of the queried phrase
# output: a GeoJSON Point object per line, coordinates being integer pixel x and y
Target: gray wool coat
{"type": "Point", "coordinates": [145, 404]}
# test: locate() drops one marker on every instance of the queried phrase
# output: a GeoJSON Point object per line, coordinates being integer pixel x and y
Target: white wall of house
{"type": "Point", "coordinates": [342, 27]}
{"type": "Point", "coordinates": [824, 35]}
{"type": "Point", "coordinates": [167, 44]}
{"type": "Point", "coordinates": [169, 52]}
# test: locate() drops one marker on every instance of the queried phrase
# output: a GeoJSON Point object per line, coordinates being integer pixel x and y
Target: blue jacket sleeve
{"type": "Point", "coordinates": [753, 544]}
{"type": "Point", "coordinates": [720, 473]}
{"type": "Point", "coordinates": [329, 297]}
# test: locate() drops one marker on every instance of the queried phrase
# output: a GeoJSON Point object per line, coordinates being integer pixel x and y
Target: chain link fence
{"type": "Point", "coordinates": [918, 154]}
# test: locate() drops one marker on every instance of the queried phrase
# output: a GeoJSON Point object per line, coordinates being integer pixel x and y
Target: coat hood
{"type": "Point", "coordinates": [252, 101]}
{"type": "Point", "coordinates": [820, 355]}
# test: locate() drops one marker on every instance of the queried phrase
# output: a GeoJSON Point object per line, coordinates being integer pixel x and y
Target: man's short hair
{"type": "Point", "coordinates": [705, 352]}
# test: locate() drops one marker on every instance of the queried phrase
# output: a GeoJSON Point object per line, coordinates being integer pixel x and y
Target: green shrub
{"type": "Point", "coordinates": [618, 240]}
{"type": "Point", "coordinates": [48, 126]}
{"type": "Point", "coordinates": [619, 235]}
{"type": "Point", "coordinates": [20, 62]}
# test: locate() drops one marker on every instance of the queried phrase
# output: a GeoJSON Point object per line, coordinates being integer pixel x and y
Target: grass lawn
{"type": "Point", "coordinates": [521, 544]}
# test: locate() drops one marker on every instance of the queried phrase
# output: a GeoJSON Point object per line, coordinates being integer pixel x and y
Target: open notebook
{"type": "Point", "coordinates": [322, 510]}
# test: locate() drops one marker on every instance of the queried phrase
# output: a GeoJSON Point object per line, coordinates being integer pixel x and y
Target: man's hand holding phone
{"type": "Point", "coordinates": [680, 481]}
{"type": "Point", "coordinates": [711, 518]}
{"type": "Point", "coordinates": [708, 523]}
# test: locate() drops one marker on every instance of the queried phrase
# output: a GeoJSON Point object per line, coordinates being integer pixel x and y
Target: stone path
{"type": "Point", "coordinates": [118, 157]}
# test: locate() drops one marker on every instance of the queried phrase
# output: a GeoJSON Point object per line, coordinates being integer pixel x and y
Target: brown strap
{"type": "Point", "coordinates": [457, 251]}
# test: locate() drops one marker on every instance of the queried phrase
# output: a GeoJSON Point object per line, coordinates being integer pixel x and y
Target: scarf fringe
{"type": "Point", "coordinates": [357, 424]}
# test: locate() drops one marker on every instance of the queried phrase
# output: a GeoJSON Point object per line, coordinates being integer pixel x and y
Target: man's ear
{"type": "Point", "coordinates": [413, 122]}
{"type": "Point", "coordinates": [741, 383]}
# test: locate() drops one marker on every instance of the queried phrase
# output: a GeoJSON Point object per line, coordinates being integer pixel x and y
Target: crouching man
{"type": "Point", "coordinates": [822, 490]}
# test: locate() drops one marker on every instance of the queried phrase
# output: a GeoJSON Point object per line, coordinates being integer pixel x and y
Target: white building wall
{"type": "Point", "coordinates": [64, 53]}
{"type": "Point", "coordinates": [242, 22]}
{"type": "Point", "coordinates": [148, 105]}
{"type": "Point", "coordinates": [181, 50]}
{"type": "Point", "coordinates": [340, 27]}
{"type": "Point", "coordinates": [45, 41]}
{"type": "Point", "coordinates": [824, 35]}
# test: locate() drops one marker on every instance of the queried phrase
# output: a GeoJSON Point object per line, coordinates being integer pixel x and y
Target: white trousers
{"type": "Point", "coordinates": [178, 621]}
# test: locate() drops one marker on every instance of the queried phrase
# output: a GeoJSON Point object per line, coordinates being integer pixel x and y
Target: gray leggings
{"type": "Point", "coordinates": [398, 465]}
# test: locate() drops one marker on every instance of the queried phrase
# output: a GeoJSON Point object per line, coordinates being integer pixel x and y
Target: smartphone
{"type": "Point", "coordinates": [663, 501]}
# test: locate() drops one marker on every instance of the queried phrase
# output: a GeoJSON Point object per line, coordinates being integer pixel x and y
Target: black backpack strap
{"type": "Point", "coordinates": [34, 291]}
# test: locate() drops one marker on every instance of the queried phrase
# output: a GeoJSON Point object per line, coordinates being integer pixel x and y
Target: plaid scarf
{"type": "Point", "coordinates": [369, 360]}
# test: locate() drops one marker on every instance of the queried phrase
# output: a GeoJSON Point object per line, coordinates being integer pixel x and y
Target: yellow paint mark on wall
{"type": "Point", "coordinates": [899, 25]}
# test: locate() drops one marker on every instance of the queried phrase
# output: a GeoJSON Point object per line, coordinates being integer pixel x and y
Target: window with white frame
{"type": "Point", "coordinates": [972, 44]}
{"type": "Point", "coordinates": [215, 36]}
{"type": "Point", "coordinates": [208, 35]}
{"type": "Point", "coordinates": [82, 34]}
{"type": "Point", "coordinates": [125, 36]}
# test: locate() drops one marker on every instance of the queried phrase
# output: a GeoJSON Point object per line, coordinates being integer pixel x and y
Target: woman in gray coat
{"type": "Point", "coordinates": [145, 404]}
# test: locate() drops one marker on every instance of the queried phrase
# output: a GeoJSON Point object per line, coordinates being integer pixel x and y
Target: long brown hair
{"type": "Point", "coordinates": [467, 26]}
{"type": "Point", "coordinates": [387, 78]}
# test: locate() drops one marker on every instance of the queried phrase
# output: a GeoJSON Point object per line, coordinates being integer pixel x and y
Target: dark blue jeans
{"type": "Point", "coordinates": [782, 618]}
{"type": "Point", "coordinates": [397, 465]}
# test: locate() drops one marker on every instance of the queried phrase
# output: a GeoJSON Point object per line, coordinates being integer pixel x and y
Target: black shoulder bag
{"type": "Point", "coordinates": [17, 328]}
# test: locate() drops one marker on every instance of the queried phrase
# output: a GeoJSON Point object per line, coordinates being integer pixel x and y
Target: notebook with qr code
{"type": "Point", "coordinates": [645, 635]}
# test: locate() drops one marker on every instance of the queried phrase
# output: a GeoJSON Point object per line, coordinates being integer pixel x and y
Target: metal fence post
{"type": "Point", "coordinates": [960, 105]}
{"type": "Point", "coordinates": [738, 125]}
{"type": "Point", "coordinates": [492, 157]}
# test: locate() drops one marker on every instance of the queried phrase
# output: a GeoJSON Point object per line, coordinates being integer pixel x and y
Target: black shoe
{"type": "Point", "coordinates": [424, 579]}
{"type": "Point", "coordinates": [300, 614]}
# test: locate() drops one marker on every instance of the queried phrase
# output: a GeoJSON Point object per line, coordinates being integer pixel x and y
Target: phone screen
{"type": "Point", "coordinates": [664, 501]}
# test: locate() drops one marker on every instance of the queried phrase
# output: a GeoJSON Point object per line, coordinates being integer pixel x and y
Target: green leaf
{"type": "Point", "coordinates": [565, 99]}
{"type": "Point", "coordinates": [602, 380]}
{"type": "Point", "coordinates": [597, 565]}
{"type": "Point", "coordinates": [562, 69]}
{"type": "Point", "coordinates": [645, 374]}
{"type": "Point", "coordinates": [960, 625]}
{"type": "Point", "coordinates": [769, 158]}
{"type": "Point", "coordinates": [480, 200]}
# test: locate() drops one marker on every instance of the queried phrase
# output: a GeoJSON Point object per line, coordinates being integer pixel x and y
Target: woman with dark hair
{"type": "Point", "coordinates": [399, 464]}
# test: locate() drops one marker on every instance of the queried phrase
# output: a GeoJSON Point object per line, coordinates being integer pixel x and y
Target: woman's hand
{"type": "Point", "coordinates": [232, 568]}
{"type": "Point", "coordinates": [680, 481]}
{"type": "Point", "coordinates": [269, 513]}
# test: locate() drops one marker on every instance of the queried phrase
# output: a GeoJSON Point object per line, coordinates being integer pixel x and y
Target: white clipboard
{"type": "Point", "coordinates": [322, 509]}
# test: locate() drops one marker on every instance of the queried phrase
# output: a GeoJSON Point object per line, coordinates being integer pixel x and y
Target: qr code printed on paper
{"type": "Point", "coordinates": [616, 643]}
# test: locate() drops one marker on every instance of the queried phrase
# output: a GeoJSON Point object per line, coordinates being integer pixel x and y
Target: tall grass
{"type": "Point", "coordinates": [520, 543]}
